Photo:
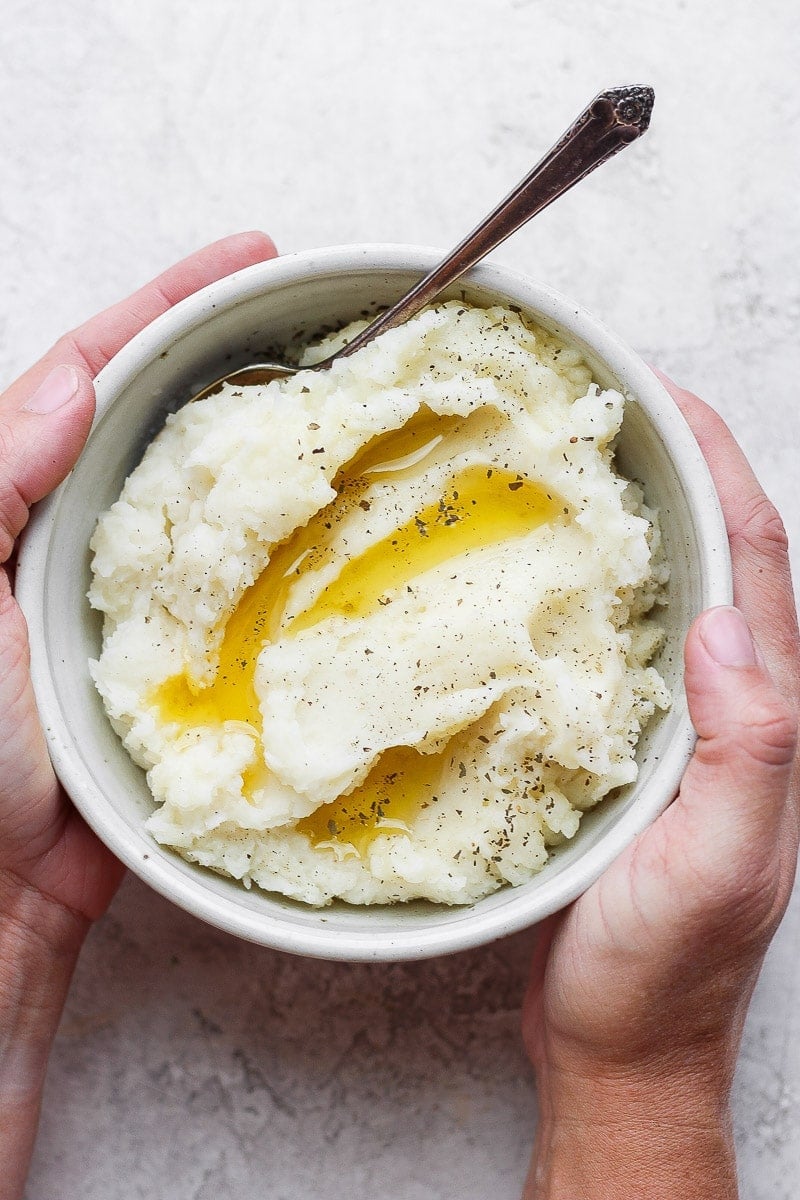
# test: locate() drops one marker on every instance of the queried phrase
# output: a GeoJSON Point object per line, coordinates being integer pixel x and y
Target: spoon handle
{"type": "Point", "coordinates": [611, 121]}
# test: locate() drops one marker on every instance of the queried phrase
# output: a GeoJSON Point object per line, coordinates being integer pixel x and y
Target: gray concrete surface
{"type": "Point", "coordinates": [189, 1065]}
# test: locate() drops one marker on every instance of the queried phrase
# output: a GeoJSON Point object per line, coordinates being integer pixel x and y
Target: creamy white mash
{"type": "Point", "coordinates": [382, 632]}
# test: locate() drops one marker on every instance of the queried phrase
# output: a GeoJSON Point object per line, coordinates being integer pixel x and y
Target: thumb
{"type": "Point", "coordinates": [739, 777]}
{"type": "Point", "coordinates": [41, 437]}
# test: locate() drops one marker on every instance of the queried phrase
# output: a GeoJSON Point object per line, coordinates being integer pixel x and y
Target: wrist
{"type": "Point", "coordinates": [656, 1138]}
{"type": "Point", "coordinates": [39, 945]}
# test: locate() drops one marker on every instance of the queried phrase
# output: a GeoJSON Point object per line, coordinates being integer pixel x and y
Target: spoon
{"type": "Point", "coordinates": [612, 120]}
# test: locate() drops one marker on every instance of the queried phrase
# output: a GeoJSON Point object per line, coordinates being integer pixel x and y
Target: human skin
{"type": "Point", "coordinates": [55, 876]}
{"type": "Point", "coordinates": [639, 991]}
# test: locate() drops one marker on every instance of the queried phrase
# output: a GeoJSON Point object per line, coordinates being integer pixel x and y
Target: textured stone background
{"type": "Point", "coordinates": [190, 1065]}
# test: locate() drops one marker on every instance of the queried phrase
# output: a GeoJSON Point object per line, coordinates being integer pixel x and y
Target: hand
{"type": "Point", "coordinates": [639, 990]}
{"type": "Point", "coordinates": [55, 876]}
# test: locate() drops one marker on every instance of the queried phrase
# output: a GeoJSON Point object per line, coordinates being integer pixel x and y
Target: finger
{"type": "Point", "coordinates": [40, 440]}
{"type": "Point", "coordinates": [759, 548]}
{"type": "Point", "coordinates": [42, 839]}
{"type": "Point", "coordinates": [28, 789]}
{"type": "Point", "coordinates": [738, 781]}
{"type": "Point", "coordinates": [733, 476]}
{"type": "Point", "coordinates": [92, 345]}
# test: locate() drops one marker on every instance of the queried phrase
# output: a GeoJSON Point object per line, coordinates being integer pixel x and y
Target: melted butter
{"type": "Point", "coordinates": [256, 618]}
{"type": "Point", "coordinates": [480, 506]}
{"type": "Point", "coordinates": [388, 451]}
{"type": "Point", "coordinates": [400, 784]}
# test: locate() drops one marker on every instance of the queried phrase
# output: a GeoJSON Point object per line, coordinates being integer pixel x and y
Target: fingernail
{"type": "Point", "coordinates": [55, 390]}
{"type": "Point", "coordinates": [727, 638]}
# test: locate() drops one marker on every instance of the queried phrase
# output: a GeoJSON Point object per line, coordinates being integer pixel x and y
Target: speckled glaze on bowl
{"type": "Point", "coordinates": [253, 314]}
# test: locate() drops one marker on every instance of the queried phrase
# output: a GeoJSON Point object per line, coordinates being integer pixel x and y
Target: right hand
{"type": "Point", "coordinates": [639, 990]}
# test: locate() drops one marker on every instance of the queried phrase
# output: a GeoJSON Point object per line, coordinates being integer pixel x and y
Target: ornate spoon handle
{"type": "Point", "coordinates": [611, 121]}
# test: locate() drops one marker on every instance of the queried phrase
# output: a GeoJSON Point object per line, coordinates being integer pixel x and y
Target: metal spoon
{"type": "Point", "coordinates": [612, 120]}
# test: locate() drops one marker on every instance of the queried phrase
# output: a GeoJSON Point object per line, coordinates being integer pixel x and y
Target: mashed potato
{"type": "Point", "coordinates": [381, 632]}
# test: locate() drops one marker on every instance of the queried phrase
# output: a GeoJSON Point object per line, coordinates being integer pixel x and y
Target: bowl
{"type": "Point", "coordinates": [250, 315]}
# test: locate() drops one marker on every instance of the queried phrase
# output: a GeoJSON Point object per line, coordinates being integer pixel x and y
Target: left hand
{"type": "Point", "coordinates": [55, 876]}
{"type": "Point", "coordinates": [45, 417]}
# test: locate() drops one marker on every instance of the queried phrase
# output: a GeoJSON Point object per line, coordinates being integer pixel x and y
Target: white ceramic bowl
{"type": "Point", "coordinates": [239, 319]}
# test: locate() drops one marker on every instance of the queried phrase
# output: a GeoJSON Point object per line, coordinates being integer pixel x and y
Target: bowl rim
{"type": "Point", "coordinates": [475, 926]}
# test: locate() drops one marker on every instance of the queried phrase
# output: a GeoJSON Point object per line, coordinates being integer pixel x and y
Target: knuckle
{"type": "Point", "coordinates": [762, 528]}
{"type": "Point", "coordinates": [13, 507]}
{"type": "Point", "coordinates": [769, 731]}
{"type": "Point", "coordinates": [67, 347]}
{"type": "Point", "coordinates": [75, 348]}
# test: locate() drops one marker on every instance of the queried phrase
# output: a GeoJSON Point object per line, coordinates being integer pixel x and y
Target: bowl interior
{"type": "Point", "coordinates": [265, 310]}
